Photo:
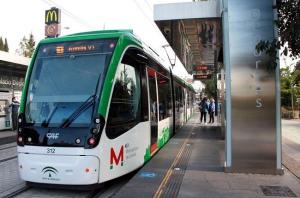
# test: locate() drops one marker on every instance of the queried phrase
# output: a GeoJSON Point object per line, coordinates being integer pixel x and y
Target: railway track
{"type": "Point", "coordinates": [8, 147]}
{"type": "Point", "coordinates": [7, 159]}
{"type": "Point", "coordinates": [17, 192]}
{"type": "Point", "coordinates": [107, 190]}
{"type": "Point", "coordinates": [28, 191]}
{"type": "Point", "coordinates": [7, 152]}
{"type": "Point", "coordinates": [7, 140]}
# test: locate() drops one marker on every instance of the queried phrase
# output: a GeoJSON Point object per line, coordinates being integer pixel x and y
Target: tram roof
{"type": "Point", "coordinates": [102, 34]}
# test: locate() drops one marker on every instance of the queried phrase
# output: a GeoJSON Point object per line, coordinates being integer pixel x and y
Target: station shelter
{"type": "Point", "coordinates": [217, 39]}
{"type": "Point", "coordinates": [12, 75]}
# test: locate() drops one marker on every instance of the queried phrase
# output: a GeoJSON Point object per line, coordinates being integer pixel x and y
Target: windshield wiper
{"type": "Point", "coordinates": [84, 106]}
{"type": "Point", "coordinates": [47, 121]}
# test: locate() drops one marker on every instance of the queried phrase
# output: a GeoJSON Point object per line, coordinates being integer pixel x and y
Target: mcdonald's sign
{"type": "Point", "coordinates": [52, 16]}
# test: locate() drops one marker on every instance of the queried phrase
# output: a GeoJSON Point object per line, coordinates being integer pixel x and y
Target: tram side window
{"type": "Point", "coordinates": [164, 97]}
{"type": "Point", "coordinates": [125, 107]}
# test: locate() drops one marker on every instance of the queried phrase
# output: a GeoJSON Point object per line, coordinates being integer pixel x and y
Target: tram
{"type": "Point", "coordinates": [96, 106]}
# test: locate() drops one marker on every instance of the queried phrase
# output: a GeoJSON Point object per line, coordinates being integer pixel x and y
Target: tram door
{"type": "Point", "coordinates": [153, 107]}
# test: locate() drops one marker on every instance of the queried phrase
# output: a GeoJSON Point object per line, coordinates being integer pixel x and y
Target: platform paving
{"type": "Point", "coordinates": [191, 165]}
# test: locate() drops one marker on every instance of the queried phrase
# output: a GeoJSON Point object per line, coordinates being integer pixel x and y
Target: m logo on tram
{"type": "Point", "coordinates": [114, 159]}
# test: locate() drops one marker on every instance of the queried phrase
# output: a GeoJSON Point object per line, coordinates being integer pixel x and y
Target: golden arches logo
{"type": "Point", "coordinates": [52, 16]}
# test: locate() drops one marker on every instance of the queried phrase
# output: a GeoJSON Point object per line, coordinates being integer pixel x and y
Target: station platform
{"type": "Point", "coordinates": [192, 165]}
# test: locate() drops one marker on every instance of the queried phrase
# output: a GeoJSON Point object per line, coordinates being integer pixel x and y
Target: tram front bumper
{"type": "Point", "coordinates": [59, 169]}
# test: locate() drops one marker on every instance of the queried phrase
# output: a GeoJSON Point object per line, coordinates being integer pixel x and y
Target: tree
{"type": "Point", "coordinates": [290, 85]}
{"type": "Point", "coordinates": [288, 25]}
{"type": "Point", "coordinates": [1, 44]}
{"type": "Point", "coordinates": [285, 84]}
{"type": "Point", "coordinates": [210, 87]}
{"type": "Point", "coordinates": [26, 46]}
{"type": "Point", "coordinates": [5, 47]}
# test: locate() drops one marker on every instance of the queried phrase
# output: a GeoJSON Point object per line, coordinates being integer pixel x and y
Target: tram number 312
{"type": "Point", "coordinates": [50, 150]}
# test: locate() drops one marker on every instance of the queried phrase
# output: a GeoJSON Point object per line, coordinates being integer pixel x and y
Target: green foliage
{"type": "Point", "coordinates": [210, 87]}
{"type": "Point", "coordinates": [3, 45]}
{"type": "Point", "coordinates": [290, 85]}
{"type": "Point", "coordinates": [288, 24]}
{"type": "Point", "coordinates": [27, 46]}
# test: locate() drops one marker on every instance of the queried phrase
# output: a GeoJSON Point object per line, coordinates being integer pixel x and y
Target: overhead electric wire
{"type": "Point", "coordinates": [68, 13]}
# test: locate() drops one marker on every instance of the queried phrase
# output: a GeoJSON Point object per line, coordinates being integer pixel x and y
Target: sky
{"type": "Point", "coordinates": [18, 18]}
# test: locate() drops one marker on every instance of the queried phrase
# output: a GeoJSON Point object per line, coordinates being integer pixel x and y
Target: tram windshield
{"type": "Point", "coordinates": [64, 76]}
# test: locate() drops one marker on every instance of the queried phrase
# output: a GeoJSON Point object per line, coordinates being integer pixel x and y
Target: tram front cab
{"type": "Point", "coordinates": [59, 125]}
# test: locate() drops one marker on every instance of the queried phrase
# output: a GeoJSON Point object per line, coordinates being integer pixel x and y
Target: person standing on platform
{"type": "Point", "coordinates": [14, 111]}
{"type": "Point", "coordinates": [204, 110]}
{"type": "Point", "coordinates": [212, 109]}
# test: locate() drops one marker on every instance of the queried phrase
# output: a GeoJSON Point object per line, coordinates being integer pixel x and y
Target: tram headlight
{"type": "Point", "coordinates": [20, 141]}
{"type": "Point", "coordinates": [91, 141]}
{"type": "Point", "coordinates": [77, 141]}
{"type": "Point", "coordinates": [20, 120]}
{"type": "Point", "coordinates": [97, 120]}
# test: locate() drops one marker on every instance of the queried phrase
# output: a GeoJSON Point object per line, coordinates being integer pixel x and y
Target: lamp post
{"type": "Point", "coordinates": [292, 99]}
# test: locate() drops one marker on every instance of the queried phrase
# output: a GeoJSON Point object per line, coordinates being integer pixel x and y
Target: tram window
{"type": "Point", "coordinates": [164, 97]}
{"type": "Point", "coordinates": [125, 107]}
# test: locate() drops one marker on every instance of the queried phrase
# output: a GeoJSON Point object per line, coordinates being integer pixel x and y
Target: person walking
{"type": "Point", "coordinates": [14, 111]}
{"type": "Point", "coordinates": [212, 109]}
{"type": "Point", "coordinates": [203, 110]}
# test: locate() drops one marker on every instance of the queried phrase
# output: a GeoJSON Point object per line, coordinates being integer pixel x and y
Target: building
{"type": "Point", "coordinates": [12, 75]}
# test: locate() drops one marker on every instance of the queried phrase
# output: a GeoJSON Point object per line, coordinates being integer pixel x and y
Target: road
{"type": "Point", "coordinates": [291, 145]}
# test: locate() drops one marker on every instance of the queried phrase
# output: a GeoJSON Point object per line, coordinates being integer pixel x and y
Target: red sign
{"type": "Point", "coordinates": [200, 68]}
{"type": "Point", "coordinates": [52, 30]}
{"type": "Point", "coordinates": [201, 77]}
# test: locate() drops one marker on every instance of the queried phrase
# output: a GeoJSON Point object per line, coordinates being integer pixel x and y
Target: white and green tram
{"type": "Point", "coordinates": [95, 106]}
